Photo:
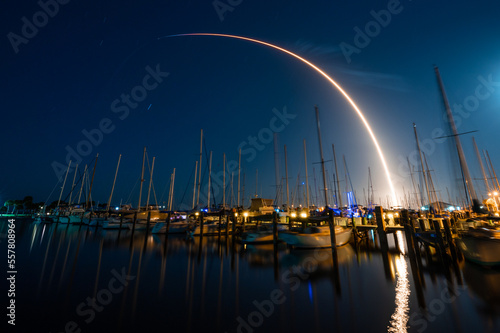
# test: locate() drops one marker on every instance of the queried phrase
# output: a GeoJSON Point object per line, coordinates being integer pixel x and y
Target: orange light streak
{"type": "Point", "coordinates": [326, 76]}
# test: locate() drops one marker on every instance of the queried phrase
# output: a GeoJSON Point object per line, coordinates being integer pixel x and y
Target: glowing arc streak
{"type": "Point", "coordinates": [335, 84]}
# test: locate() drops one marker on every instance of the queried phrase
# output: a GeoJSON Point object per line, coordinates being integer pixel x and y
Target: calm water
{"type": "Point", "coordinates": [148, 282]}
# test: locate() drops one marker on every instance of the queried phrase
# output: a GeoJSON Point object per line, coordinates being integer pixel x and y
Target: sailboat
{"type": "Point", "coordinates": [481, 244]}
{"type": "Point", "coordinates": [318, 236]}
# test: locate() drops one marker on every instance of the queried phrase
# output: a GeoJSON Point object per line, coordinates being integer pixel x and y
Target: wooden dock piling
{"type": "Point", "coordinates": [333, 237]}
{"type": "Point", "coordinates": [148, 221]}
{"type": "Point", "coordinates": [135, 221]}
{"type": "Point", "coordinates": [201, 224]}
{"type": "Point", "coordinates": [381, 226]}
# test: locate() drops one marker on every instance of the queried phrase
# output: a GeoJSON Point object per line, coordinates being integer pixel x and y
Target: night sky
{"type": "Point", "coordinates": [68, 79]}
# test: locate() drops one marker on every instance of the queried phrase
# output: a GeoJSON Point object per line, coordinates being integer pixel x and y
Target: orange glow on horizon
{"type": "Point", "coordinates": [335, 84]}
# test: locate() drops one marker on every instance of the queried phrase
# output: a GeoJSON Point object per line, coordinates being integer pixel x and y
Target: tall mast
{"type": "Point", "coordinates": [276, 167]}
{"type": "Point", "coordinates": [239, 174]}
{"type": "Point", "coordinates": [142, 180]}
{"type": "Point", "coordinates": [307, 178]}
{"type": "Point", "coordinates": [83, 181]}
{"type": "Point", "coordinates": [422, 165]}
{"type": "Point", "coordinates": [209, 176]}
{"type": "Point", "coordinates": [286, 179]}
{"type": "Point", "coordinates": [370, 187]}
{"type": "Point", "coordinates": [413, 183]}
{"type": "Point", "coordinates": [322, 159]}
{"type": "Point", "coordinates": [243, 191]}
{"type": "Point", "coordinates": [92, 181]}
{"type": "Point", "coordinates": [194, 184]}
{"type": "Point", "coordinates": [114, 181]}
{"type": "Point", "coordinates": [493, 170]}
{"type": "Point", "coordinates": [315, 186]}
{"type": "Point", "coordinates": [337, 177]}
{"type": "Point", "coordinates": [72, 186]}
{"type": "Point", "coordinates": [171, 196]}
{"type": "Point", "coordinates": [469, 187]}
{"type": "Point", "coordinates": [232, 188]}
{"type": "Point", "coordinates": [481, 165]}
{"type": "Point", "coordinates": [64, 183]}
{"type": "Point", "coordinates": [199, 168]}
{"type": "Point", "coordinates": [224, 182]}
{"type": "Point", "coordinates": [432, 189]}
{"type": "Point", "coordinates": [150, 181]}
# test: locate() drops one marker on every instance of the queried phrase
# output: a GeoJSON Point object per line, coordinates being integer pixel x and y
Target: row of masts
{"type": "Point", "coordinates": [427, 193]}
{"type": "Point", "coordinates": [423, 193]}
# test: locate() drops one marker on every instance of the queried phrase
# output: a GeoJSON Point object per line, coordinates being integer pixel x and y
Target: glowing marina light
{"type": "Point", "coordinates": [326, 76]}
{"type": "Point", "coordinates": [303, 215]}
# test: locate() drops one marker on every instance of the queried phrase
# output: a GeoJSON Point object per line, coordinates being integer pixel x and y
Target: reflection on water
{"type": "Point", "coordinates": [215, 284]}
{"type": "Point", "coordinates": [400, 316]}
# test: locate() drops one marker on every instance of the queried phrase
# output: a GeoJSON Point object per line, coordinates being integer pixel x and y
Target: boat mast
{"type": "Point", "coordinates": [431, 185]}
{"type": "Point", "coordinates": [322, 159]}
{"type": "Point", "coordinates": [114, 181]}
{"type": "Point", "coordinates": [171, 195]}
{"type": "Point", "coordinates": [307, 178]}
{"type": "Point", "coordinates": [422, 165]}
{"type": "Point", "coordinates": [239, 175]}
{"type": "Point", "coordinates": [150, 181]}
{"type": "Point", "coordinates": [209, 175]}
{"type": "Point", "coordinates": [276, 167]}
{"type": "Point", "coordinates": [72, 186]}
{"type": "Point", "coordinates": [315, 186]}
{"type": "Point", "coordinates": [92, 181]}
{"type": "Point", "coordinates": [469, 187]}
{"type": "Point", "coordinates": [413, 183]}
{"type": "Point", "coordinates": [142, 180]}
{"type": "Point", "coordinates": [194, 184]}
{"type": "Point", "coordinates": [286, 179]}
{"type": "Point", "coordinates": [199, 168]}
{"type": "Point", "coordinates": [337, 176]}
{"type": "Point", "coordinates": [481, 165]}
{"type": "Point", "coordinates": [83, 181]}
{"type": "Point", "coordinates": [224, 182]}
{"type": "Point", "coordinates": [64, 183]}
{"type": "Point", "coordinates": [493, 170]}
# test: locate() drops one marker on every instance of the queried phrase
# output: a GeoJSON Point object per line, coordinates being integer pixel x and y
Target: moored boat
{"type": "Point", "coordinates": [481, 245]}
{"type": "Point", "coordinates": [314, 237]}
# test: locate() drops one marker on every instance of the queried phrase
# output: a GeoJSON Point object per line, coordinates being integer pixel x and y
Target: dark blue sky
{"type": "Point", "coordinates": [63, 79]}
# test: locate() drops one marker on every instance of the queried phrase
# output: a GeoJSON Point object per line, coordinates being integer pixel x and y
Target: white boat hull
{"type": "Point", "coordinates": [317, 240]}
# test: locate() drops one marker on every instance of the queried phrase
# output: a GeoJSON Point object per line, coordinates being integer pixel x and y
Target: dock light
{"type": "Point", "coordinates": [303, 215]}
{"type": "Point", "coordinates": [245, 214]}
{"type": "Point", "coordinates": [117, 208]}
{"type": "Point", "coordinates": [495, 194]}
{"type": "Point", "coordinates": [390, 216]}
{"type": "Point", "coordinates": [294, 215]}
{"type": "Point", "coordinates": [235, 214]}
{"type": "Point", "coordinates": [196, 213]}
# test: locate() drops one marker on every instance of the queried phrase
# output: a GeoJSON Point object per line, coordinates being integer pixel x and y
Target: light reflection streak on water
{"type": "Point", "coordinates": [400, 316]}
{"type": "Point", "coordinates": [33, 235]}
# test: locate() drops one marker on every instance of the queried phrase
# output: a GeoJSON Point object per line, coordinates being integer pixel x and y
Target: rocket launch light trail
{"type": "Point", "coordinates": [335, 84]}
